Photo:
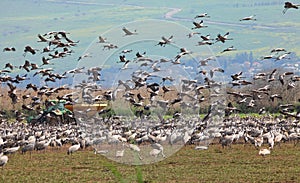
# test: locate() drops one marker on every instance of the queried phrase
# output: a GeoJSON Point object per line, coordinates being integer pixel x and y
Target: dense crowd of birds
{"type": "Point", "coordinates": [144, 98]}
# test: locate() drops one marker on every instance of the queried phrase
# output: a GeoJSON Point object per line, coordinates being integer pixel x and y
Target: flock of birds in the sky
{"type": "Point", "coordinates": [145, 99]}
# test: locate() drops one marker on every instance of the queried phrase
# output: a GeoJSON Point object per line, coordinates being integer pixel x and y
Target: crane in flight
{"type": "Point", "coordinates": [127, 32]}
{"type": "Point", "coordinates": [223, 38]}
{"type": "Point", "coordinates": [199, 25]}
{"type": "Point", "coordinates": [289, 5]}
{"type": "Point", "coordinates": [202, 15]}
{"type": "Point", "coordinates": [102, 40]}
{"type": "Point", "coordinates": [165, 41]}
{"type": "Point", "coordinates": [231, 48]}
{"type": "Point", "coordinates": [252, 17]}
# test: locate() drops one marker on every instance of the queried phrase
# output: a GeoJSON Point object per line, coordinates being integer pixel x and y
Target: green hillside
{"type": "Point", "coordinates": [22, 20]}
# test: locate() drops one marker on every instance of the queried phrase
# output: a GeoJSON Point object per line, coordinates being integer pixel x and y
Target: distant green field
{"type": "Point", "coordinates": [237, 164]}
{"type": "Point", "coordinates": [86, 20]}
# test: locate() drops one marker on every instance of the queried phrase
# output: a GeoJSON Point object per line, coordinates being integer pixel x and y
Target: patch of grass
{"type": "Point", "coordinates": [237, 164]}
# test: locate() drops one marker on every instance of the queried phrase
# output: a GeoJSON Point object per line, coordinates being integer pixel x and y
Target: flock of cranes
{"type": "Point", "coordinates": [150, 95]}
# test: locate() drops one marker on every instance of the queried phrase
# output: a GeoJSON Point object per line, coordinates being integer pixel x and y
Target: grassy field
{"type": "Point", "coordinates": [237, 164]}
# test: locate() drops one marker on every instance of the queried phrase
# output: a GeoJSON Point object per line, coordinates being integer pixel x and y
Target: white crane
{"type": "Point", "coordinates": [258, 141]}
{"type": "Point", "coordinates": [100, 151]}
{"type": "Point", "coordinates": [3, 160]}
{"type": "Point", "coordinates": [30, 144]}
{"type": "Point", "coordinates": [248, 18]}
{"type": "Point", "coordinates": [226, 140]}
{"type": "Point", "coordinates": [283, 56]}
{"type": "Point", "coordinates": [11, 150]}
{"type": "Point", "coordinates": [270, 136]}
{"type": "Point", "coordinates": [157, 149]}
{"type": "Point", "coordinates": [264, 152]}
{"type": "Point", "coordinates": [201, 147]}
{"type": "Point", "coordinates": [120, 153]}
{"type": "Point", "coordinates": [73, 149]}
{"type": "Point", "coordinates": [42, 145]}
{"type": "Point", "coordinates": [155, 152]}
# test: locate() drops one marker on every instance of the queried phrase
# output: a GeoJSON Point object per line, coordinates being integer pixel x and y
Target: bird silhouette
{"type": "Point", "coordinates": [289, 5]}
{"type": "Point", "coordinates": [199, 25]}
{"type": "Point", "coordinates": [9, 49]}
{"type": "Point", "coordinates": [165, 41]}
{"type": "Point", "coordinates": [223, 38]}
{"type": "Point", "coordinates": [3, 160]}
{"type": "Point", "coordinates": [102, 40]}
{"type": "Point", "coordinates": [30, 50]}
{"type": "Point", "coordinates": [202, 15]}
{"type": "Point", "coordinates": [128, 33]}
{"type": "Point", "coordinates": [231, 48]}
{"type": "Point", "coordinates": [248, 18]}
